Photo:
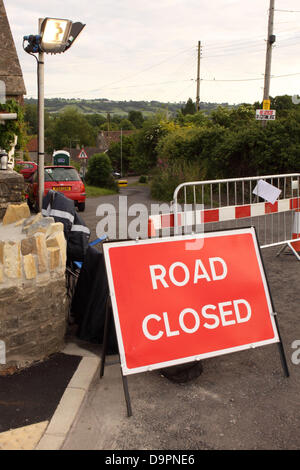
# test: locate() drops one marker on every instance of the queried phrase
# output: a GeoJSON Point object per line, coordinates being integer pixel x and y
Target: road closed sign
{"type": "Point", "coordinates": [173, 303]}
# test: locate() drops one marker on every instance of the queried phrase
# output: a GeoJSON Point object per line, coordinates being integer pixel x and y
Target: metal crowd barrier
{"type": "Point", "coordinates": [230, 203]}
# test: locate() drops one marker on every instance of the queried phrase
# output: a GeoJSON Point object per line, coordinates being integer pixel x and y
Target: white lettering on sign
{"type": "Point", "coordinates": [179, 273]}
{"type": "Point", "coordinates": [225, 313]}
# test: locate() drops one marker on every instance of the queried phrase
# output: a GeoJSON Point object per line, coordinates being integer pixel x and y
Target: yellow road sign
{"type": "Point", "coordinates": [266, 104]}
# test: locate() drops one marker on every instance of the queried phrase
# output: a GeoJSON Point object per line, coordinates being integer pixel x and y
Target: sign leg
{"type": "Point", "coordinates": [283, 360]}
{"type": "Point", "coordinates": [103, 357]}
{"type": "Point", "coordinates": [126, 393]}
{"type": "Point", "coordinates": [105, 337]}
{"type": "Point", "coordinates": [282, 353]}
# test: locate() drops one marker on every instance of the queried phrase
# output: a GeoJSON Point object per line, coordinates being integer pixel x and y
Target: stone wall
{"type": "Point", "coordinates": [33, 301]}
{"type": "Point", "coordinates": [11, 189]}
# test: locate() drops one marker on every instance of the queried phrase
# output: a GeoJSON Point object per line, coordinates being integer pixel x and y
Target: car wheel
{"type": "Point", "coordinates": [81, 206]}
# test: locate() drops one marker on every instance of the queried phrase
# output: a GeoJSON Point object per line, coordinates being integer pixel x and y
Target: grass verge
{"type": "Point", "coordinates": [94, 191]}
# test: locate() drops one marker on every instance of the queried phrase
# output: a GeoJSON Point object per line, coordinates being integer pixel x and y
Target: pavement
{"type": "Point", "coordinates": [53, 390]}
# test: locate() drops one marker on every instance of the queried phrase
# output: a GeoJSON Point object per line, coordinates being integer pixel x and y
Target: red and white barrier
{"type": "Point", "coordinates": [222, 214]}
{"type": "Point", "coordinates": [296, 230]}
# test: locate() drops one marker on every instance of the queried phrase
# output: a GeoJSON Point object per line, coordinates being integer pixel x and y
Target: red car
{"type": "Point", "coordinates": [59, 178]}
{"type": "Point", "coordinates": [27, 168]}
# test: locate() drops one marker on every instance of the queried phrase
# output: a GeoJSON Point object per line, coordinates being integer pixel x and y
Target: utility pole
{"type": "Point", "coordinates": [270, 41]}
{"type": "Point", "coordinates": [121, 153]}
{"type": "Point", "coordinates": [198, 78]}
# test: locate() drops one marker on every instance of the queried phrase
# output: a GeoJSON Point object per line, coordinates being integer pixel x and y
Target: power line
{"type": "Point", "coordinates": [216, 80]}
{"type": "Point", "coordinates": [127, 77]}
{"type": "Point", "coordinates": [126, 86]}
{"type": "Point", "coordinates": [249, 79]}
{"type": "Point", "coordinates": [288, 11]}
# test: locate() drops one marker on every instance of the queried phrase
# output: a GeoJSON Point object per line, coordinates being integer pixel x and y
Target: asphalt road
{"type": "Point", "coordinates": [116, 205]}
{"type": "Point", "coordinates": [241, 401]}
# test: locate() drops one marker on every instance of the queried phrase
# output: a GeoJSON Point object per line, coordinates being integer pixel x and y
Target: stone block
{"type": "Point", "coordinates": [15, 212]}
{"type": "Point", "coordinates": [33, 219]}
{"type": "Point", "coordinates": [40, 249]}
{"type": "Point", "coordinates": [54, 258]}
{"type": "Point", "coordinates": [53, 228]}
{"type": "Point", "coordinates": [19, 222]}
{"type": "Point", "coordinates": [1, 252]}
{"type": "Point", "coordinates": [12, 260]}
{"type": "Point", "coordinates": [27, 246]}
{"type": "Point", "coordinates": [29, 266]}
{"type": "Point", "coordinates": [40, 225]}
{"type": "Point", "coordinates": [57, 239]}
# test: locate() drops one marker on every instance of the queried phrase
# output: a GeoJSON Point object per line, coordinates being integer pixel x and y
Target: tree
{"type": "Point", "coordinates": [70, 125]}
{"type": "Point", "coordinates": [95, 120]}
{"type": "Point", "coordinates": [189, 108]}
{"type": "Point", "coordinates": [100, 171]}
{"type": "Point", "coordinates": [128, 153]}
{"type": "Point", "coordinates": [137, 119]}
{"type": "Point", "coordinates": [147, 139]}
{"type": "Point", "coordinates": [126, 125]}
{"type": "Point", "coordinates": [30, 116]}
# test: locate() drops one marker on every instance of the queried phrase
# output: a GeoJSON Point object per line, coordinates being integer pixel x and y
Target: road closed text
{"type": "Point", "coordinates": [190, 320]}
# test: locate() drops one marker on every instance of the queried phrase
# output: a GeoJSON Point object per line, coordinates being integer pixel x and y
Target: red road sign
{"type": "Point", "coordinates": [265, 114]}
{"type": "Point", "coordinates": [173, 303]}
{"type": "Point", "coordinates": [82, 155]}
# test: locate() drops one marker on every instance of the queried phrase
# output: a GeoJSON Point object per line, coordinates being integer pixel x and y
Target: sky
{"type": "Point", "coordinates": [147, 50]}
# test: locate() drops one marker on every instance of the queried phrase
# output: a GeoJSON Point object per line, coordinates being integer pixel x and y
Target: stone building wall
{"type": "Point", "coordinates": [11, 189]}
{"type": "Point", "coordinates": [33, 301]}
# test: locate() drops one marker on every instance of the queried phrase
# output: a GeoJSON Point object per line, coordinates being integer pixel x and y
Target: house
{"type": "Point", "coordinates": [105, 138]}
{"type": "Point", "coordinates": [32, 150]}
{"type": "Point", "coordinates": [10, 69]}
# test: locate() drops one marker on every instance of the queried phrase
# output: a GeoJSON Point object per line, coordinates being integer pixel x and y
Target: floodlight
{"type": "Point", "coordinates": [54, 35]}
{"type": "Point", "coordinates": [76, 29]}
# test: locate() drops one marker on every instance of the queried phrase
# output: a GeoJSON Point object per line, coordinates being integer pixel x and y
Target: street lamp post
{"type": "Point", "coordinates": [41, 123]}
{"type": "Point", "coordinates": [55, 36]}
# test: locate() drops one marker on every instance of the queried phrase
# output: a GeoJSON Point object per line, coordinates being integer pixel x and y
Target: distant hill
{"type": "Point", "coordinates": [120, 108]}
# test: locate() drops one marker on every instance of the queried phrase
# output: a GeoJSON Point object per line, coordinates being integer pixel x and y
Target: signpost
{"type": "Point", "coordinates": [83, 157]}
{"type": "Point", "coordinates": [173, 305]}
{"type": "Point", "coordinates": [265, 114]}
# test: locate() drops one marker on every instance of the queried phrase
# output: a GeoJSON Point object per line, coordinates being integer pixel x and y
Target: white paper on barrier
{"type": "Point", "coordinates": [267, 191]}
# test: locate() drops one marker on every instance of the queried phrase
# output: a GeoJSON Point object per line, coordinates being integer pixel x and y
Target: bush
{"type": "Point", "coordinates": [169, 175]}
{"type": "Point", "coordinates": [143, 179]}
{"type": "Point", "coordinates": [100, 172]}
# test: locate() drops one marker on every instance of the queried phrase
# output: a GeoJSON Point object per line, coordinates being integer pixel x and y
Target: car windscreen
{"type": "Point", "coordinates": [61, 174]}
